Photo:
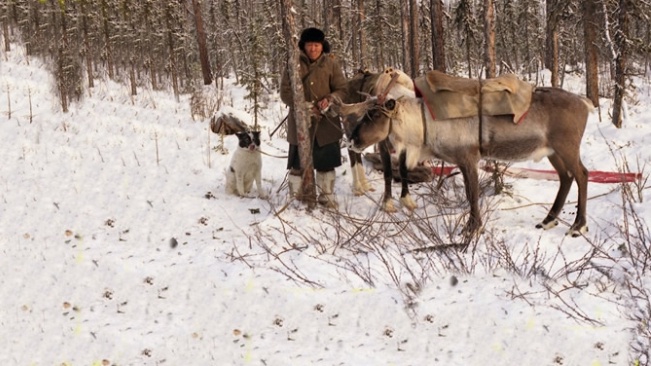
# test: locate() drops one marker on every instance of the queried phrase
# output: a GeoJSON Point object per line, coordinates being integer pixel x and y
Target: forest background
{"type": "Point", "coordinates": [175, 44]}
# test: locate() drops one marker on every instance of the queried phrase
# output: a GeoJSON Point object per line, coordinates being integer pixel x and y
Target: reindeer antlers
{"type": "Point", "coordinates": [382, 97]}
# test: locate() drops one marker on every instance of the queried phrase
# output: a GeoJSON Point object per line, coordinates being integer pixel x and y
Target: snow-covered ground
{"type": "Point", "coordinates": [118, 246]}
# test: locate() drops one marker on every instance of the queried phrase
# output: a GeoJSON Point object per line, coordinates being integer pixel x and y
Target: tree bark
{"type": "Point", "coordinates": [206, 72]}
{"type": "Point", "coordinates": [107, 40]}
{"type": "Point", "coordinates": [551, 41]}
{"type": "Point", "coordinates": [379, 51]}
{"type": "Point", "coordinates": [172, 53]}
{"type": "Point", "coordinates": [5, 30]}
{"type": "Point", "coordinates": [300, 112]}
{"type": "Point", "coordinates": [414, 44]}
{"type": "Point", "coordinates": [621, 38]}
{"type": "Point", "coordinates": [363, 57]}
{"type": "Point", "coordinates": [354, 37]}
{"type": "Point", "coordinates": [591, 51]}
{"type": "Point", "coordinates": [438, 36]}
{"type": "Point", "coordinates": [87, 48]}
{"type": "Point", "coordinates": [404, 24]}
{"type": "Point", "coordinates": [463, 20]}
{"type": "Point", "coordinates": [489, 39]}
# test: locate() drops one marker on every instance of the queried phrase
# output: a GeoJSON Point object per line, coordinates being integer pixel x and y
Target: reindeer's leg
{"type": "Point", "coordinates": [357, 188]}
{"type": "Point", "coordinates": [566, 179]}
{"type": "Point", "coordinates": [471, 184]}
{"type": "Point", "coordinates": [360, 184]}
{"type": "Point", "coordinates": [580, 225]}
{"type": "Point", "coordinates": [361, 175]}
{"type": "Point", "coordinates": [385, 157]}
{"type": "Point", "coordinates": [405, 197]}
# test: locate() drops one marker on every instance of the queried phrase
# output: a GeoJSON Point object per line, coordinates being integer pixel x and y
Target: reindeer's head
{"type": "Point", "coordinates": [366, 123]}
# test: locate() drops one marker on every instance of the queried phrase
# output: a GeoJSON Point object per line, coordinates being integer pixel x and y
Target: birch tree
{"type": "Point", "coordinates": [489, 39]}
{"type": "Point", "coordinates": [621, 40]}
{"type": "Point", "coordinates": [308, 190]}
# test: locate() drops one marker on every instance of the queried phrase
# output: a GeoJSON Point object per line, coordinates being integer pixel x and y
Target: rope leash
{"type": "Point", "coordinates": [273, 156]}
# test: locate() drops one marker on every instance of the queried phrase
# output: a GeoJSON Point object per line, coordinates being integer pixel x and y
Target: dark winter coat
{"type": "Point", "coordinates": [321, 78]}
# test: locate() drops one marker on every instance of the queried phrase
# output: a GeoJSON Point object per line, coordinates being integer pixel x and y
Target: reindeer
{"type": "Point", "coordinates": [361, 87]}
{"type": "Point", "coordinates": [552, 128]}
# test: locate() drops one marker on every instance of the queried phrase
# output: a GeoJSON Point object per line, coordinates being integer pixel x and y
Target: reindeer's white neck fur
{"type": "Point", "coordinates": [403, 87]}
{"type": "Point", "coordinates": [408, 130]}
{"type": "Point", "coordinates": [405, 130]}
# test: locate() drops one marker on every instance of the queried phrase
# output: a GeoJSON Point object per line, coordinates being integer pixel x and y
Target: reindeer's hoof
{"type": "Point", "coordinates": [361, 190]}
{"type": "Point", "coordinates": [577, 231]}
{"type": "Point", "coordinates": [408, 202]}
{"type": "Point", "coordinates": [388, 207]}
{"type": "Point", "coordinates": [547, 225]}
{"type": "Point", "coordinates": [472, 230]}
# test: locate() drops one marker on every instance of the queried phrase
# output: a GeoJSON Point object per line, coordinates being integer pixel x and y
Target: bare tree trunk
{"type": "Point", "coordinates": [438, 36]}
{"type": "Point", "coordinates": [201, 40]}
{"type": "Point", "coordinates": [338, 17]}
{"type": "Point", "coordinates": [551, 56]}
{"type": "Point", "coordinates": [414, 44]}
{"type": "Point", "coordinates": [621, 38]}
{"type": "Point", "coordinates": [172, 53]}
{"type": "Point", "coordinates": [468, 58]}
{"type": "Point", "coordinates": [591, 51]}
{"type": "Point", "coordinates": [132, 78]}
{"type": "Point", "coordinates": [300, 112]}
{"type": "Point", "coordinates": [363, 58]}
{"type": "Point", "coordinates": [489, 39]}
{"type": "Point", "coordinates": [647, 40]}
{"type": "Point", "coordinates": [464, 21]}
{"type": "Point", "coordinates": [107, 40]}
{"type": "Point", "coordinates": [513, 30]}
{"type": "Point", "coordinates": [87, 49]}
{"type": "Point", "coordinates": [61, 47]}
{"type": "Point", "coordinates": [491, 72]}
{"type": "Point", "coordinates": [5, 31]}
{"type": "Point", "coordinates": [354, 33]}
{"type": "Point", "coordinates": [404, 23]}
{"type": "Point", "coordinates": [379, 52]}
{"type": "Point", "coordinates": [327, 15]}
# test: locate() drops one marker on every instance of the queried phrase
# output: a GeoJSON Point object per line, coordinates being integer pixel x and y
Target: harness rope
{"type": "Point", "coordinates": [422, 115]}
{"type": "Point", "coordinates": [273, 156]}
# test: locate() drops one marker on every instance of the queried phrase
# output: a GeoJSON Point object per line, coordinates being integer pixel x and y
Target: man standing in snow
{"type": "Point", "coordinates": [322, 80]}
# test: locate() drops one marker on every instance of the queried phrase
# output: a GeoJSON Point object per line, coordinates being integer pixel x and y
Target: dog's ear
{"type": "Point", "coordinates": [256, 137]}
{"type": "Point", "coordinates": [243, 138]}
{"type": "Point", "coordinates": [241, 134]}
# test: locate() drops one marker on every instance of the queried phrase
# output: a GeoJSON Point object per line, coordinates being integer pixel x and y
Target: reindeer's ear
{"type": "Point", "coordinates": [390, 104]}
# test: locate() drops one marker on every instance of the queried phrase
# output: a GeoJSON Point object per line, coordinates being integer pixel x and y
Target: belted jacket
{"type": "Point", "coordinates": [320, 78]}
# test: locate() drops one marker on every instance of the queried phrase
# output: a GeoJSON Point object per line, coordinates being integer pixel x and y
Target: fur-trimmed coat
{"type": "Point", "coordinates": [321, 78]}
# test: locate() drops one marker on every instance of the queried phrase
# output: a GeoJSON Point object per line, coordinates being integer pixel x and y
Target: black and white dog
{"type": "Point", "coordinates": [246, 166]}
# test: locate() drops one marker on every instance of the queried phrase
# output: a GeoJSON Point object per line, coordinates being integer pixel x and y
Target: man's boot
{"type": "Point", "coordinates": [295, 182]}
{"type": "Point", "coordinates": [325, 182]}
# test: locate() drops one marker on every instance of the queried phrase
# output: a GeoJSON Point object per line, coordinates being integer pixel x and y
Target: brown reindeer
{"type": "Point", "coordinates": [552, 128]}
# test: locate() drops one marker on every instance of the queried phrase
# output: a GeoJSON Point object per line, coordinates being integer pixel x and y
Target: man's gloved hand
{"type": "Point", "coordinates": [324, 104]}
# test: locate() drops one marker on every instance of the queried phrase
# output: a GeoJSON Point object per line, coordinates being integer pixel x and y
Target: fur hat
{"type": "Point", "coordinates": [313, 35]}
